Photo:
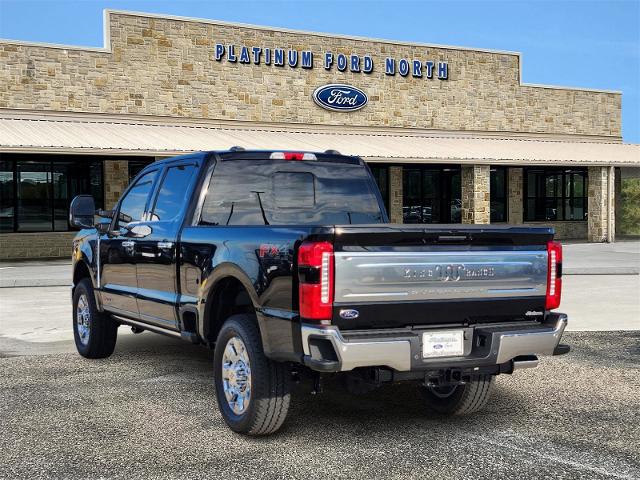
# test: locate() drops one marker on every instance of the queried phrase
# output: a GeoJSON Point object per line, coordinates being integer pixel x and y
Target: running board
{"type": "Point", "coordinates": [146, 326]}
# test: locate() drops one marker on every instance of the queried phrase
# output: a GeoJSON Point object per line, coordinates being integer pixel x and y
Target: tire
{"type": "Point", "coordinates": [461, 399]}
{"type": "Point", "coordinates": [94, 332]}
{"type": "Point", "coordinates": [265, 407]}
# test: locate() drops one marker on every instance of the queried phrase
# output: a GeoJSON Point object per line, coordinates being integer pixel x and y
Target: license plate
{"type": "Point", "coordinates": [445, 343]}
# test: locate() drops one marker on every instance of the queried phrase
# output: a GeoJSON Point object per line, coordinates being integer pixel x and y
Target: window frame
{"type": "Point", "coordinates": [155, 193]}
{"type": "Point", "coordinates": [563, 197]}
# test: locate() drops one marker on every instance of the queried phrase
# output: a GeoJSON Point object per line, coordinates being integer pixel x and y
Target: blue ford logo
{"type": "Point", "coordinates": [438, 346]}
{"type": "Point", "coordinates": [340, 98]}
{"type": "Point", "coordinates": [349, 314]}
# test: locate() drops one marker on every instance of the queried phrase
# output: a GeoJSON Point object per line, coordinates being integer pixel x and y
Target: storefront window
{"type": "Point", "coordinates": [136, 166]}
{"type": "Point", "coordinates": [381, 175]}
{"type": "Point", "coordinates": [555, 194]}
{"type": "Point", "coordinates": [36, 190]}
{"type": "Point", "coordinates": [498, 195]}
{"type": "Point", "coordinates": [431, 195]}
{"type": "Point", "coordinates": [7, 201]}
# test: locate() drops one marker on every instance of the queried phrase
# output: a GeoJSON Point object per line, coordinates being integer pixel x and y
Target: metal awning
{"type": "Point", "coordinates": [109, 136]}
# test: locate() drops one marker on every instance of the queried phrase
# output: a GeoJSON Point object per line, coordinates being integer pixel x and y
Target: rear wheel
{"type": "Point", "coordinates": [94, 332]}
{"type": "Point", "coordinates": [252, 391]}
{"type": "Point", "coordinates": [460, 399]}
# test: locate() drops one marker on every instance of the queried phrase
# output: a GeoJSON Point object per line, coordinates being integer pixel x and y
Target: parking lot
{"type": "Point", "coordinates": [149, 411]}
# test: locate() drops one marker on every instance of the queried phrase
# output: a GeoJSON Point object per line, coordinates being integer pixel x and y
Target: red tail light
{"type": "Point", "coordinates": [554, 275]}
{"type": "Point", "coordinates": [315, 271]}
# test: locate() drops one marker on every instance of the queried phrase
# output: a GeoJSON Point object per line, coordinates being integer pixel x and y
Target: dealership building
{"type": "Point", "coordinates": [452, 135]}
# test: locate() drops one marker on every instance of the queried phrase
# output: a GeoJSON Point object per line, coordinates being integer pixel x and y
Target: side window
{"type": "Point", "coordinates": [239, 194]}
{"type": "Point", "coordinates": [132, 205]}
{"type": "Point", "coordinates": [172, 194]}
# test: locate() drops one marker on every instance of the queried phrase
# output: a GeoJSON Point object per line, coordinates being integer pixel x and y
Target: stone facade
{"type": "Point", "coordinates": [395, 194]}
{"type": "Point", "coordinates": [475, 194]}
{"type": "Point", "coordinates": [116, 179]}
{"type": "Point", "coordinates": [167, 67]}
{"type": "Point", "coordinates": [601, 213]}
{"type": "Point", "coordinates": [515, 207]}
{"type": "Point", "coordinates": [20, 246]}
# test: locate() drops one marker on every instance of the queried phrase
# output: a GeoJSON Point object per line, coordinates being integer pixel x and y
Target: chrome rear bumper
{"type": "Point", "coordinates": [401, 349]}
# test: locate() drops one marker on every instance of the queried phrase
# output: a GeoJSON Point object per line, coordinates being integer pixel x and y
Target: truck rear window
{"type": "Point", "coordinates": [274, 192]}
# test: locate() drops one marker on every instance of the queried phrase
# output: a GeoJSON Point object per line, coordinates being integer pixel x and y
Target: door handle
{"type": "Point", "coordinates": [165, 245]}
{"type": "Point", "coordinates": [128, 243]}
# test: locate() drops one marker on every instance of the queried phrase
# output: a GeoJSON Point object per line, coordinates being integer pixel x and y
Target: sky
{"type": "Point", "coordinates": [577, 43]}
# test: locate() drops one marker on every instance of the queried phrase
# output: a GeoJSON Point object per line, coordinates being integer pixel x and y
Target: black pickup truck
{"type": "Point", "coordinates": [286, 265]}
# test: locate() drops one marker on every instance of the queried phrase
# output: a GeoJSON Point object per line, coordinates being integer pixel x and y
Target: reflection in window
{"type": "Point", "coordinates": [381, 176]}
{"type": "Point", "coordinates": [133, 204]}
{"type": "Point", "coordinates": [289, 193]}
{"type": "Point", "coordinates": [555, 194]}
{"type": "Point", "coordinates": [431, 195]}
{"type": "Point", "coordinates": [7, 202]}
{"type": "Point", "coordinates": [498, 194]}
{"type": "Point", "coordinates": [172, 194]}
{"type": "Point", "coordinates": [34, 197]}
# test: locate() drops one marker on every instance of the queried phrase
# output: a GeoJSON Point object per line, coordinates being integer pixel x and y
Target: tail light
{"type": "Point", "coordinates": [315, 272]}
{"type": "Point", "coordinates": [554, 275]}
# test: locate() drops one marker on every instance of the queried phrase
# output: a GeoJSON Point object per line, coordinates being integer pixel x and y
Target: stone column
{"type": "Point", "coordinates": [475, 194]}
{"type": "Point", "coordinates": [600, 204]}
{"type": "Point", "coordinates": [515, 189]}
{"type": "Point", "coordinates": [116, 179]}
{"type": "Point", "coordinates": [395, 194]}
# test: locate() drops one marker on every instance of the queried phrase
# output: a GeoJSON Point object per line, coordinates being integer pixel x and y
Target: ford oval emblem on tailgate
{"type": "Point", "coordinates": [340, 98]}
{"type": "Point", "coordinates": [349, 314]}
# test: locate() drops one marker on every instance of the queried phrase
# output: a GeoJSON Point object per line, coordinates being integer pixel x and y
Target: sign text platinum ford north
{"type": "Point", "coordinates": [285, 264]}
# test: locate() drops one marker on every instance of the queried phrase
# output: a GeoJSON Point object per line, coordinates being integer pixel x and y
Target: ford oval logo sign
{"type": "Point", "coordinates": [349, 314]}
{"type": "Point", "coordinates": [340, 98]}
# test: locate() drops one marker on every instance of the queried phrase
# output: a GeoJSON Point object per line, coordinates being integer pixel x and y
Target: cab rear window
{"type": "Point", "coordinates": [273, 192]}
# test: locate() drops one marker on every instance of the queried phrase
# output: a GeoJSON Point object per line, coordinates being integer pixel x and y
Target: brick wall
{"type": "Point", "coordinates": [167, 67]}
{"type": "Point", "coordinates": [16, 246]}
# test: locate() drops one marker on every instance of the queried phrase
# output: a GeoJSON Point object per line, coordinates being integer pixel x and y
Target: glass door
{"type": "Point", "coordinates": [431, 195]}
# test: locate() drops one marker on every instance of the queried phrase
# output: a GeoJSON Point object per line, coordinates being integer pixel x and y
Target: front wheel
{"type": "Point", "coordinates": [252, 391]}
{"type": "Point", "coordinates": [94, 332]}
{"type": "Point", "coordinates": [460, 399]}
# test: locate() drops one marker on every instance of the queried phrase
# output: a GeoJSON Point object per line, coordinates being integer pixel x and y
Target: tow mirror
{"type": "Point", "coordinates": [82, 211]}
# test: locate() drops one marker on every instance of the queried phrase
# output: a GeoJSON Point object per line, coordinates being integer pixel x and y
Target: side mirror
{"type": "Point", "coordinates": [81, 211]}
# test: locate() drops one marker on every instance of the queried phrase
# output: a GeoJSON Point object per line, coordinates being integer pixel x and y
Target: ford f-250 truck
{"type": "Point", "coordinates": [285, 264]}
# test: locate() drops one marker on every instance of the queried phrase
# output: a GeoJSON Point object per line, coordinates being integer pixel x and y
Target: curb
{"type": "Point", "coordinates": [601, 271]}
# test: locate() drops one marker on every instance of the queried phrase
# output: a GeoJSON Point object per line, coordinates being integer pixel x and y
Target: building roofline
{"type": "Point", "coordinates": [106, 48]}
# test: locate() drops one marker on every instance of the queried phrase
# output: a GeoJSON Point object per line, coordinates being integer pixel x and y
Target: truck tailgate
{"type": "Point", "coordinates": [398, 275]}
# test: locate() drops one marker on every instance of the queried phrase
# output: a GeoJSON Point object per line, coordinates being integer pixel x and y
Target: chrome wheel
{"type": "Point", "coordinates": [236, 375]}
{"type": "Point", "coordinates": [83, 319]}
